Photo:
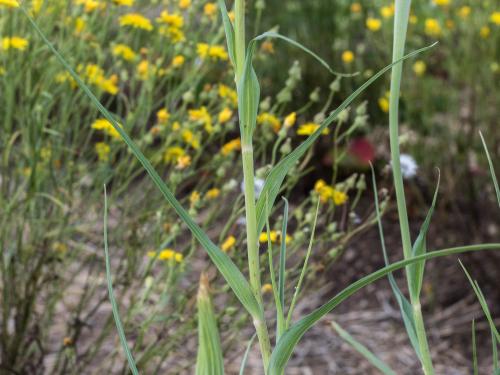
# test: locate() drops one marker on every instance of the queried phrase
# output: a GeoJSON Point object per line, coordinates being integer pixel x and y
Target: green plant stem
{"type": "Point", "coordinates": [250, 209]}
{"type": "Point", "coordinates": [400, 28]}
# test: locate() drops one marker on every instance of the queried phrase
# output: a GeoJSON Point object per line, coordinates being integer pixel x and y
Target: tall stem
{"type": "Point", "coordinates": [400, 28]}
{"type": "Point", "coordinates": [249, 185]}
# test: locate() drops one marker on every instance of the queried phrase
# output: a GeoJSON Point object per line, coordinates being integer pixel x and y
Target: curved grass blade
{"type": "Point", "coordinates": [404, 305]}
{"type": "Point", "coordinates": [114, 306]}
{"type": "Point", "coordinates": [209, 360]}
{"type": "Point", "coordinates": [277, 175]}
{"type": "Point", "coordinates": [492, 170]}
{"type": "Point", "coordinates": [245, 356]}
{"type": "Point", "coordinates": [229, 30]}
{"type": "Point", "coordinates": [363, 350]}
{"type": "Point", "coordinates": [272, 34]}
{"type": "Point", "coordinates": [222, 261]}
{"type": "Point", "coordinates": [282, 265]}
{"type": "Point", "coordinates": [286, 344]}
{"type": "Point", "coordinates": [416, 271]}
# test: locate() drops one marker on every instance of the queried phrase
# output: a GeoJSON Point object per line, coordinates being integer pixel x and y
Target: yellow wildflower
{"type": "Point", "coordinates": [162, 116]}
{"type": "Point", "coordinates": [373, 24]}
{"type": "Point", "coordinates": [484, 32]}
{"type": "Point", "coordinates": [137, 21]}
{"type": "Point", "coordinates": [194, 198]}
{"type": "Point", "coordinates": [225, 115]}
{"type": "Point", "coordinates": [210, 9]}
{"type": "Point", "coordinates": [413, 19]}
{"type": "Point", "coordinates": [190, 139]}
{"type": "Point", "coordinates": [215, 52]}
{"type": "Point", "coordinates": [212, 193]}
{"type": "Point", "coordinates": [464, 11]}
{"type": "Point", "coordinates": [231, 146]}
{"type": "Point", "coordinates": [173, 153]}
{"type": "Point", "coordinates": [495, 18]}
{"type": "Point", "coordinates": [228, 244]}
{"type": "Point", "coordinates": [266, 288]}
{"type": "Point", "coordinates": [383, 103]}
{"type": "Point", "coordinates": [124, 51]}
{"type": "Point", "coordinates": [184, 4]}
{"type": "Point", "coordinates": [290, 120]}
{"type": "Point", "coordinates": [183, 162]}
{"type": "Point", "coordinates": [267, 118]}
{"type": "Point", "coordinates": [347, 57]}
{"type": "Point", "coordinates": [102, 149]}
{"type": "Point", "coordinates": [273, 236]}
{"type": "Point", "coordinates": [79, 25]}
{"type": "Point", "coordinates": [419, 67]}
{"type": "Point", "coordinates": [167, 254]}
{"type": "Point", "coordinates": [202, 116]}
{"type": "Point", "coordinates": [14, 42]}
{"type": "Point", "coordinates": [309, 128]}
{"type": "Point", "coordinates": [107, 127]}
{"type": "Point", "coordinates": [171, 19]}
{"type": "Point", "coordinates": [432, 27]}
{"type": "Point", "coordinates": [339, 197]}
{"type": "Point", "coordinates": [145, 70]}
{"type": "Point", "coordinates": [226, 92]}
{"type": "Point", "coordinates": [125, 3]}
{"type": "Point", "coordinates": [387, 11]}
{"type": "Point", "coordinates": [9, 3]}
{"type": "Point", "coordinates": [178, 61]}
{"type": "Point", "coordinates": [442, 3]}
{"type": "Point", "coordinates": [326, 193]}
{"type": "Point", "coordinates": [267, 47]}
{"type": "Point", "coordinates": [356, 8]}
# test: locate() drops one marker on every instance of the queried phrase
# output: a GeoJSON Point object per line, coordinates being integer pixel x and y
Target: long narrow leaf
{"type": "Point", "coordinates": [277, 175]}
{"type": "Point", "coordinates": [363, 350]}
{"type": "Point", "coordinates": [114, 305]}
{"type": "Point", "coordinates": [245, 356]}
{"type": "Point", "coordinates": [403, 303]}
{"type": "Point", "coordinates": [286, 344]}
{"type": "Point", "coordinates": [282, 267]}
{"type": "Point", "coordinates": [492, 169]}
{"type": "Point", "coordinates": [222, 261]}
{"type": "Point", "coordinates": [229, 30]}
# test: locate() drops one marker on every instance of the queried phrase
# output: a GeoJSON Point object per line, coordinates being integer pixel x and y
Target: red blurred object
{"type": "Point", "coordinates": [362, 150]}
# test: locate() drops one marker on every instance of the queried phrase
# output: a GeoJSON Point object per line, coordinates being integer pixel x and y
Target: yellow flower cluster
{"type": "Point", "coordinates": [166, 254]}
{"type": "Point", "coordinates": [125, 3]}
{"type": "Point", "coordinates": [432, 27]}
{"type": "Point", "coordinates": [94, 75]}
{"type": "Point", "coordinates": [274, 237]}
{"type": "Point", "coordinates": [327, 193]}
{"type": "Point", "coordinates": [309, 128]}
{"type": "Point", "coordinates": [106, 127]}
{"type": "Point", "coordinates": [201, 115]}
{"type": "Point", "coordinates": [124, 51]}
{"type": "Point", "coordinates": [14, 42]}
{"type": "Point", "coordinates": [228, 244]}
{"type": "Point", "coordinates": [225, 92]}
{"type": "Point", "coordinates": [9, 3]}
{"type": "Point", "coordinates": [90, 5]}
{"type": "Point", "coordinates": [231, 146]}
{"type": "Point", "coordinates": [215, 52]}
{"type": "Point", "coordinates": [373, 24]}
{"type": "Point", "coordinates": [269, 119]}
{"type": "Point", "coordinates": [136, 21]}
{"type": "Point", "coordinates": [172, 24]}
{"type": "Point", "coordinates": [225, 115]}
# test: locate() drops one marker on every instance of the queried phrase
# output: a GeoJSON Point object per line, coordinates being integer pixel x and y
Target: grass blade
{"type": "Point", "coordinates": [286, 344]}
{"type": "Point", "coordinates": [209, 360]}
{"type": "Point", "coordinates": [248, 97]}
{"type": "Point", "coordinates": [277, 175]}
{"type": "Point", "coordinates": [245, 356]}
{"type": "Point", "coordinates": [222, 261]}
{"type": "Point", "coordinates": [404, 305]}
{"type": "Point", "coordinates": [282, 268]}
{"type": "Point", "coordinates": [363, 350]}
{"type": "Point", "coordinates": [114, 306]}
{"type": "Point", "coordinates": [229, 30]}
{"type": "Point", "coordinates": [492, 170]}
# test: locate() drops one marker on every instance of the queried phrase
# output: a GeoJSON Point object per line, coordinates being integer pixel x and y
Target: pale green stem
{"type": "Point", "coordinates": [400, 28]}
{"type": "Point", "coordinates": [250, 209]}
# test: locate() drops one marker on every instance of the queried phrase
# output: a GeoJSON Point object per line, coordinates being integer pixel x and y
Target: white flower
{"type": "Point", "coordinates": [258, 186]}
{"type": "Point", "coordinates": [409, 166]}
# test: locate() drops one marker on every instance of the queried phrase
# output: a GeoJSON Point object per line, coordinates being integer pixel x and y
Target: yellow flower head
{"type": "Point", "coordinates": [464, 11]}
{"type": "Point", "coordinates": [9, 3]}
{"type": "Point", "coordinates": [373, 24]}
{"type": "Point", "coordinates": [290, 120]}
{"type": "Point", "coordinates": [145, 70]}
{"type": "Point", "coordinates": [228, 244]}
{"type": "Point", "coordinates": [347, 57]}
{"type": "Point", "coordinates": [356, 8]}
{"type": "Point", "coordinates": [171, 19]}
{"type": "Point", "coordinates": [183, 162]}
{"type": "Point", "coordinates": [14, 42]}
{"type": "Point", "coordinates": [125, 3]}
{"type": "Point", "coordinates": [485, 32]}
{"type": "Point", "coordinates": [173, 153]}
{"type": "Point", "coordinates": [106, 127]}
{"type": "Point", "coordinates": [178, 61]}
{"type": "Point", "coordinates": [269, 119]}
{"type": "Point", "coordinates": [225, 115]}
{"type": "Point", "coordinates": [432, 27]}
{"type": "Point", "coordinates": [442, 3]}
{"type": "Point", "coordinates": [162, 116]}
{"type": "Point", "coordinates": [387, 11]}
{"type": "Point", "coordinates": [327, 193]}
{"type": "Point", "coordinates": [273, 236]}
{"type": "Point", "coordinates": [419, 67]}
{"type": "Point", "coordinates": [266, 288]}
{"type": "Point", "coordinates": [210, 9]}
{"type": "Point", "coordinates": [191, 139]}
{"type": "Point", "coordinates": [215, 52]}
{"type": "Point", "coordinates": [383, 103]}
{"type": "Point", "coordinates": [124, 51]}
{"type": "Point", "coordinates": [194, 198]}
{"type": "Point", "coordinates": [184, 4]}
{"type": "Point", "coordinates": [202, 115]}
{"type": "Point", "coordinates": [212, 193]}
{"type": "Point", "coordinates": [166, 254]}
{"type": "Point", "coordinates": [228, 93]}
{"type": "Point", "coordinates": [309, 128]}
{"type": "Point", "coordinates": [231, 146]}
{"type": "Point", "coordinates": [90, 5]}
{"type": "Point", "coordinates": [137, 21]}
{"type": "Point", "coordinates": [495, 18]}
